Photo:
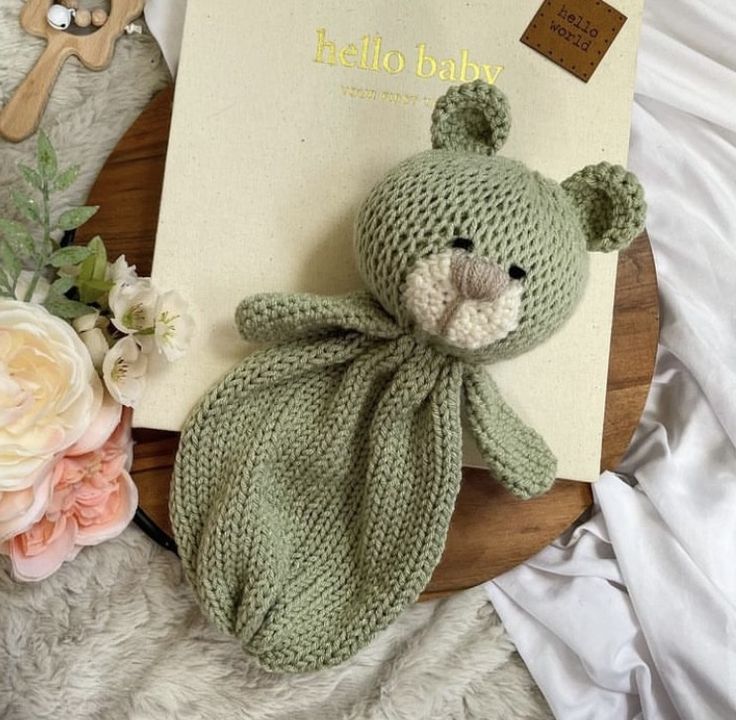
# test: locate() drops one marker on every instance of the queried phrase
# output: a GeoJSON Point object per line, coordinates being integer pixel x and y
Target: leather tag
{"type": "Point", "coordinates": [574, 34]}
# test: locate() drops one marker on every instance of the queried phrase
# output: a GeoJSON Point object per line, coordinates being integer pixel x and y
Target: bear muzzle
{"type": "Point", "coordinates": [467, 300]}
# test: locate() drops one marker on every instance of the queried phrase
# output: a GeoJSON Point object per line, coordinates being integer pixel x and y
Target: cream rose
{"type": "Point", "coordinates": [49, 394]}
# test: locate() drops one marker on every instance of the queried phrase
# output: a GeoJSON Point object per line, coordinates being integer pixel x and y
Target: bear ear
{"type": "Point", "coordinates": [610, 204]}
{"type": "Point", "coordinates": [473, 118]}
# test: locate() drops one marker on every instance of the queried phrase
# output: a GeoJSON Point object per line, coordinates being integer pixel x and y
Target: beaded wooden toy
{"type": "Point", "coordinates": [21, 115]}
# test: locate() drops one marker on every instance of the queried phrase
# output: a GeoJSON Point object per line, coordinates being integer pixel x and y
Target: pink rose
{"type": "Point", "coordinates": [22, 508]}
{"type": "Point", "coordinates": [93, 498]}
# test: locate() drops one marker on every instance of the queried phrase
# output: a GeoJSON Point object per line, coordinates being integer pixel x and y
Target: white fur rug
{"type": "Point", "coordinates": [116, 633]}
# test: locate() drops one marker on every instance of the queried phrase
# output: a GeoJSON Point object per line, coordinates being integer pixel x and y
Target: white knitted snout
{"type": "Point", "coordinates": [467, 300]}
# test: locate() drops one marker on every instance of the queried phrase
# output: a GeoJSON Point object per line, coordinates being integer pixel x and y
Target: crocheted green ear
{"type": "Point", "coordinates": [610, 204]}
{"type": "Point", "coordinates": [473, 117]}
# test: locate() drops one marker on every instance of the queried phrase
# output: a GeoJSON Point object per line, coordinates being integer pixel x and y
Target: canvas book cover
{"type": "Point", "coordinates": [286, 114]}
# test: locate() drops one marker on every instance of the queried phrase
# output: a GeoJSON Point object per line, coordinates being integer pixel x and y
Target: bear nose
{"type": "Point", "coordinates": [477, 278]}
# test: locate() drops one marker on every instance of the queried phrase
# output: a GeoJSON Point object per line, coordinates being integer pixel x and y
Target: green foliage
{"type": "Point", "coordinates": [61, 306]}
{"type": "Point", "coordinates": [71, 255]}
{"type": "Point", "coordinates": [10, 269]}
{"type": "Point", "coordinates": [63, 180]}
{"type": "Point", "coordinates": [62, 285]}
{"type": "Point", "coordinates": [18, 238]}
{"type": "Point", "coordinates": [32, 177]}
{"type": "Point", "coordinates": [72, 219]}
{"type": "Point", "coordinates": [74, 271]}
{"type": "Point", "coordinates": [46, 155]}
{"type": "Point", "coordinates": [91, 278]}
{"type": "Point", "coordinates": [27, 206]}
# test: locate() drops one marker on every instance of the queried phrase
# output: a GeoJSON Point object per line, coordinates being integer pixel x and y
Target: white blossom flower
{"type": "Point", "coordinates": [23, 282]}
{"type": "Point", "coordinates": [133, 306]}
{"type": "Point", "coordinates": [123, 370]}
{"type": "Point", "coordinates": [120, 273]}
{"type": "Point", "coordinates": [90, 328]}
{"type": "Point", "coordinates": [87, 322]}
{"type": "Point", "coordinates": [97, 346]}
{"type": "Point", "coordinates": [174, 326]}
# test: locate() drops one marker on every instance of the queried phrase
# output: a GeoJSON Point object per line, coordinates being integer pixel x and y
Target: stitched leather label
{"type": "Point", "coordinates": [574, 34]}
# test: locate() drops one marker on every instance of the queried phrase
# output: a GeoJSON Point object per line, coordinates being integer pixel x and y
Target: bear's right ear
{"type": "Point", "coordinates": [610, 205]}
{"type": "Point", "coordinates": [473, 117]}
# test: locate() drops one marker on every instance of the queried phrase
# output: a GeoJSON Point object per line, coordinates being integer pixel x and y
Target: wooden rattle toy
{"type": "Point", "coordinates": [43, 18]}
{"type": "Point", "coordinates": [60, 17]}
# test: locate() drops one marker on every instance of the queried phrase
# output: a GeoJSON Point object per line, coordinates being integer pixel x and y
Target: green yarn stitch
{"type": "Point", "coordinates": [314, 484]}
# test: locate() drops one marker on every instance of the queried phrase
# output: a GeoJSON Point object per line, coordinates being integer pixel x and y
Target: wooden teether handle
{"type": "Point", "coordinates": [22, 113]}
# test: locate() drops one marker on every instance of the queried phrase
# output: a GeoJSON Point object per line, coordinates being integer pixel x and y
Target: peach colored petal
{"type": "Point", "coordinates": [21, 472]}
{"type": "Point", "coordinates": [41, 552]}
{"type": "Point", "coordinates": [17, 513]}
{"type": "Point", "coordinates": [102, 426]}
{"type": "Point", "coordinates": [122, 439]}
{"type": "Point", "coordinates": [87, 498]}
{"type": "Point", "coordinates": [41, 534]}
{"type": "Point", "coordinates": [67, 472]}
{"type": "Point", "coordinates": [15, 504]}
{"type": "Point", "coordinates": [116, 517]}
{"type": "Point", "coordinates": [93, 504]}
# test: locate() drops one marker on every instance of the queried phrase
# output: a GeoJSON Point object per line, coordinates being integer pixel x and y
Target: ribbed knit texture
{"type": "Point", "coordinates": [315, 483]}
{"type": "Point", "coordinates": [474, 117]}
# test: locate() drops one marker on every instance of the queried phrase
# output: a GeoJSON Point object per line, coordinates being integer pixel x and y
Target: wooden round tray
{"type": "Point", "coordinates": [491, 531]}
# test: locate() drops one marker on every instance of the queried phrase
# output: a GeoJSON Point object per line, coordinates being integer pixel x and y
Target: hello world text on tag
{"type": "Point", "coordinates": [574, 34]}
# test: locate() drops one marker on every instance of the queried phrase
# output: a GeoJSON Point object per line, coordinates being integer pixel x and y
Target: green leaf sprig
{"type": "Point", "coordinates": [76, 273]}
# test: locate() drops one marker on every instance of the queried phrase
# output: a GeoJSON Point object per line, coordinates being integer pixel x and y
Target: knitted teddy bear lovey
{"type": "Point", "coordinates": [314, 484]}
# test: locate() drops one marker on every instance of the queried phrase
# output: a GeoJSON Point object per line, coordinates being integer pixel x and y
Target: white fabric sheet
{"type": "Point", "coordinates": [633, 614]}
{"type": "Point", "coordinates": [165, 20]}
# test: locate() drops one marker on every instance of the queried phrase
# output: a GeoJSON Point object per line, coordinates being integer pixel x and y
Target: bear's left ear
{"type": "Point", "coordinates": [473, 117]}
{"type": "Point", "coordinates": [610, 204]}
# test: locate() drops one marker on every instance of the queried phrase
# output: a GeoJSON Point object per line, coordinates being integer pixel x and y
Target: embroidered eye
{"type": "Point", "coordinates": [461, 243]}
{"type": "Point", "coordinates": [517, 273]}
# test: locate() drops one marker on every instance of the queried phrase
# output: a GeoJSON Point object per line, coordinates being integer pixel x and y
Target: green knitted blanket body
{"type": "Point", "coordinates": [314, 485]}
{"type": "Point", "coordinates": [341, 432]}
